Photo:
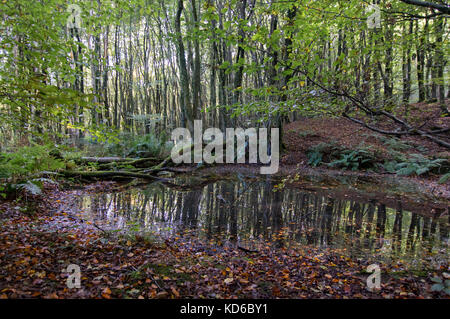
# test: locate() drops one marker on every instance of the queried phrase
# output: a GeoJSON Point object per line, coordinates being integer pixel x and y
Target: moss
{"type": "Point", "coordinates": [169, 271]}
{"type": "Point", "coordinates": [422, 273]}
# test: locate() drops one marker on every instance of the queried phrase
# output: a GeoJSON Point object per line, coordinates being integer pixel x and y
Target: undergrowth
{"type": "Point", "coordinates": [130, 145]}
{"type": "Point", "coordinates": [365, 157]}
{"type": "Point", "coordinates": [19, 166]}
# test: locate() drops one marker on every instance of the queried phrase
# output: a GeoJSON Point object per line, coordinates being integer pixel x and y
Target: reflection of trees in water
{"type": "Point", "coordinates": [240, 212]}
{"type": "Point", "coordinates": [190, 209]}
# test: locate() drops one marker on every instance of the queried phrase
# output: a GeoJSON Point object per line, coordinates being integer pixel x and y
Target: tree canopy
{"type": "Point", "coordinates": [145, 65]}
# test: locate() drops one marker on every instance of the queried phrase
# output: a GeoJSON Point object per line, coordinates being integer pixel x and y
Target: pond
{"type": "Point", "coordinates": [249, 213]}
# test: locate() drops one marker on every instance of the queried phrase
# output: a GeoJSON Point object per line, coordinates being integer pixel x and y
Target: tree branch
{"type": "Point", "coordinates": [444, 8]}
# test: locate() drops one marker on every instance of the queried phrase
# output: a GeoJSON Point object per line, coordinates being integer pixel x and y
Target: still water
{"type": "Point", "coordinates": [250, 214]}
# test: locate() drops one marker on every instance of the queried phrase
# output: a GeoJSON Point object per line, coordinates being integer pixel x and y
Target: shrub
{"type": "Point", "coordinates": [444, 178]}
{"type": "Point", "coordinates": [336, 156]}
{"type": "Point", "coordinates": [322, 152]}
{"type": "Point", "coordinates": [394, 143]}
{"type": "Point", "coordinates": [16, 169]}
{"type": "Point", "coordinates": [314, 158]}
{"type": "Point", "coordinates": [441, 285]}
{"type": "Point", "coordinates": [145, 146]}
{"type": "Point", "coordinates": [355, 159]}
{"type": "Point", "coordinates": [129, 145]}
{"type": "Point", "coordinates": [28, 160]}
{"type": "Point", "coordinates": [416, 164]}
{"type": "Point", "coordinates": [306, 133]}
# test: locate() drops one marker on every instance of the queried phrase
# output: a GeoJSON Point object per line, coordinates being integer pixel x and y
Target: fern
{"type": "Point", "coordinates": [30, 187]}
{"type": "Point", "coordinates": [136, 146]}
{"type": "Point", "coordinates": [444, 178]}
{"type": "Point", "coordinates": [314, 158]}
{"type": "Point", "coordinates": [416, 164]}
{"type": "Point", "coordinates": [395, 144]}
{"type": "Point", "coordinates": [362, 157]}
{"type": "Point", "coordinates": [316, 154]}
{"type": "Point", "coordinates": [354, 159]}
{"type": "Point", "coordinates": [26, 161]}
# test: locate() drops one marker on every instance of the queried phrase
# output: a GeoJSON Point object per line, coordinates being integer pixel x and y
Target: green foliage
{"type": "Point", "coordinates": [128, 145]}
{"type": "Point", "coordinates": [394, 143]}
{"type": "Point", "coordinates": [34, 53]}
{"type": "Point", "coordinates": [3, 190]}
{"type": "Point", "coordinates": [145, 146]}
{"type": "Point", "coordinates": [70, 155]}
{"type": "Point", "coordinates": [441, 285]}
{"type": "Point", "coordinates": [355, 159]}
{"type": "Point", "coordinates": [416, 164]}
{"type": "Point", "coordinates": [17, 167]}
{"type": "Point", "coordinates": [322, 152]}
{"type": "Point", "coordinates": [336, 156]}
{"type": "Point", "coordinates": [314, 158]}
{"type": "Point", "coordinates": [306, 133]}
{"type": "Point", "coordinates": [31, 187]}
{"type": "Point", "coordinates": [444, 178]}
{"type": "Point", "coordinates": [28, 160]}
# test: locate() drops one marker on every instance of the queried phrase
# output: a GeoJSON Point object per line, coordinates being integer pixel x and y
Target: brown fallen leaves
{"type": "Point", "coordinates": [36, 248]}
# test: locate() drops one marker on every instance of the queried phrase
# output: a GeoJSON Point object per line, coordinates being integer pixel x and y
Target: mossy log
{"type": "Point", "coordinates": [118, 167]}
{"type": "Point", "coordinates": [110, 174]}
{"type": "Point", "coordinates": [168, 160]}
{"type": "Point", "coordinates": [138, 163]}
{"type": "Point", "coordinates": [108, 159]}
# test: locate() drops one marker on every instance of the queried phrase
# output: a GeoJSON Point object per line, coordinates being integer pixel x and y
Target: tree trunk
{"type": "Point", "coordinates": [186, 109]}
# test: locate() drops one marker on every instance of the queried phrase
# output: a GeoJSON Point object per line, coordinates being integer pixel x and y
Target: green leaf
{"type": "Point", "coordinates": [444, 178]}
{"type": "Point", "coordinates": [436, 279]}
{"type": "Point", "coordinates": [32, 188]}
{"type": "Point", "coordinates": [437, 287]}
{"type": "Point", "coordinates": [422, 170]}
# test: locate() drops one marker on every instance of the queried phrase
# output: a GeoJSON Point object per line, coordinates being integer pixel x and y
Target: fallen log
{"type": "Point", "coordinates": [110, 162]}
{"type": "Point", "coordinates": [110, 174]}
{"type": "Point", "coordinates": [163, 163]}
{"type": "Point", "coordinates": [109, 159]}
{"type": "Point", "coordinates": [140, 162]}
{"type": "Point", "coordinates": [168, 160]}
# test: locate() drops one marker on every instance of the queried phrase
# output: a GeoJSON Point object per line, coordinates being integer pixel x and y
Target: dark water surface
{"type": "Point", "coordinates": [250, 214]}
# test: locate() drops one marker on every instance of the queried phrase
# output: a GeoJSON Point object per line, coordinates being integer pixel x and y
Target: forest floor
{"type": "Point", "coordinates": [39, 241]}
{"type": "Point", "coordinates": [301, 135]}
{"type": "Point", "coordinates": [304, 134]}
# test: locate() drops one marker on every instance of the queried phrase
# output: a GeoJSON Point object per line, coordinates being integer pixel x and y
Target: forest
{"type": "Point", "coordinates": [335, 184]}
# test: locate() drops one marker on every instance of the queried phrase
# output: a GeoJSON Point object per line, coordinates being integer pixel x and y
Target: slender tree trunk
{"type": "Point", "coordinates": [406, 66]}
{"type": "Point", "coordinates": [105, 74]}
{"type": "Point", "coordinates": [213, 65]}
{"type": "Point", "coordinates": [420, 47]}
{"type": "Point", "coordinates": [187, 113]}
{"type": "Point", "coordinates": [440, 64]}
{"type": "Point", "coordinates": [196, 71]}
